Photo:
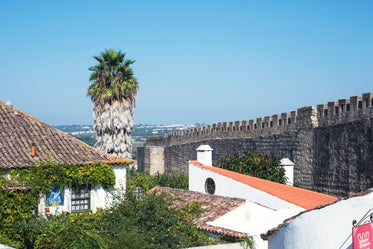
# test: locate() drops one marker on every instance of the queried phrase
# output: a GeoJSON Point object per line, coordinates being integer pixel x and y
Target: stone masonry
{"type": "Point", "coordinates": [331, 144]}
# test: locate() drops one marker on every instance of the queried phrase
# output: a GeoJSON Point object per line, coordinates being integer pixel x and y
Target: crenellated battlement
{"type": "Point", "coordinates": [336, 112]}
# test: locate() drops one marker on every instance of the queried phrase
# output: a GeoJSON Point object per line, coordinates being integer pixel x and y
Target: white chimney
{"type": "Point", "coordinates": [204, 155]}
{"type": "Point", "coordinates": [289, 170]}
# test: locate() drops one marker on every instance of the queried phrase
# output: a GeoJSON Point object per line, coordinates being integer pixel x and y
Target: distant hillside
{"type": "Point", "coordinates": [86, 134]}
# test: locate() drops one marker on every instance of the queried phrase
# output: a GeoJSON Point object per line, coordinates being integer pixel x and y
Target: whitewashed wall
{"type": "Point", "coordinates": [328, 227]}
{"type": "Point", "coordinates": [226, 186]}
{"type": "Point", "coordinates": [99, 197]}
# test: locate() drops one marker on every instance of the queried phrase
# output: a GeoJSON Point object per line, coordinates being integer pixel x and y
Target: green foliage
{"type": "Point", "coordinates": [158, 223]}
{"type": "Point", "coordinates": [147, 182]}
{"type": "Point", "coordinates": [148, 223]}
{"type": "Point", "coordinates": [151, 222]}
{"type": "Point", "coordinates": [47, 175]}
{"type": "Point", "coordinates": [245, 242]}
{"type": "Point", "coordinates": [62, 231]}
{"type": "Point", "coordinates": [254, 164]}
{"type": "Point", "coordinates": [6, 241]}
{"type": "Point", "coordinates": [16, 204]}
{"type": "Point", "coordinates": [69, 233]}
{"type": "Point", "coordinates": [19, 197]}
{"type": "Point", "coordinates": [248, 242]}
{"type": "Point", "coordinates": [112, 78]}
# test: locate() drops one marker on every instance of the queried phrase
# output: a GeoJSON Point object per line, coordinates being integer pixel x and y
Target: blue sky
{"type": "Point", "coordinates": [196, 61]}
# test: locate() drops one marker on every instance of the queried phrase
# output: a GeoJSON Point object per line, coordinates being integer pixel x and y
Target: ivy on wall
{"type": "Point", "coordinates": [20, 196]}
{"type": "Point", "coordinates": [47, 175]}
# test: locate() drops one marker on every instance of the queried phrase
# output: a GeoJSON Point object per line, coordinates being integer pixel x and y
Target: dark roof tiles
{"type": "Point", "coordinates": [19, 130]}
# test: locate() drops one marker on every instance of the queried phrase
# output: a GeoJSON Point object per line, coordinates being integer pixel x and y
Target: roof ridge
{"type": "Point", "coordinates": [304, 198]}
{"type": "Point", "coordinates": [27, 115]}
{"type": "Point", "coordinates": [20, 131]}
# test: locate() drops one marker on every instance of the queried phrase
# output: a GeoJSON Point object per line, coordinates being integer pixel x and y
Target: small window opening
{"type": "Point", "coordinates": [255, 126]}
{"type": "Point", "coordinates": [336, 110]}
{"type": "Point", "coordinates": [279, 122]}
{"type": "Point", "coordinates": [360, 104]}
{"type": "Point", "coordinates": [326, 112]}
{"type": "Point", "coordinates": [210, 186]}
{"type": "Point", "coordinates": [289, 120]}
{"type": "Point", "coordinates": [271, 123]}
{"type": "Point", "coordinates": [80, 199]}
{"type": "Point", "coordinates": [348, 107]}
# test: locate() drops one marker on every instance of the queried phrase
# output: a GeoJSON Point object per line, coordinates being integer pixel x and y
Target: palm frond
{"type": "Point", "coordinates": [112, 78]}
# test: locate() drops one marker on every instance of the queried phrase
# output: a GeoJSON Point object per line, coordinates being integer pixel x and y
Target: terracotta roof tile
{"type": "Point", "coordinates": [269, 233]}
{"type": "Point", "coordinates": [306, 199]}
{"type": "Point", "coordinates": [19, 130]}
{"type": "Point", "coordinates": [215, 206]}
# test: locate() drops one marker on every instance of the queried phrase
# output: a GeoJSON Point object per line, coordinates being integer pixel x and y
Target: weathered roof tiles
{"type": "Point", "coordinates": [215, 206]}
{"type": "Point", "coordinates": [19, 132]}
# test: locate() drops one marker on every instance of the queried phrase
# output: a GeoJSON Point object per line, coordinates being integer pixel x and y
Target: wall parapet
{"type": "Point", "coordinates": [341, 111]}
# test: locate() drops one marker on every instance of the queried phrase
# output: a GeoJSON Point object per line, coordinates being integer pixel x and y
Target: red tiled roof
{"type": "Point", "coordinates": [269, 233]}
{"type": "Point", "coordinates": [215, 206]}
{"type": "Point", "coordinates": [306, 199]}
{"type": "Point", "coordinates": [19, 131]}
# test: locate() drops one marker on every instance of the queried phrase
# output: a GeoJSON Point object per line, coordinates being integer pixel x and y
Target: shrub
{"type": "Point", "coordinates": [254, 164]}
{"type": "Point", "coordinates": [70, 235]}
{"type": "Point", "coordinates": [147, 182]}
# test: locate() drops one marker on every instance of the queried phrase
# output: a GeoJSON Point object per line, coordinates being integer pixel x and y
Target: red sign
{"type": "Point", "coordinates": [362, 236]}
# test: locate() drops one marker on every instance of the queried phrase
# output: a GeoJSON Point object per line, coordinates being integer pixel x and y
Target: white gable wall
{"type": "Point", "coordinates": [226, 186]}
{"type": "Point", "coordinates": [328, 227]}
{"type": "Point", "coordinates": [254, 219]}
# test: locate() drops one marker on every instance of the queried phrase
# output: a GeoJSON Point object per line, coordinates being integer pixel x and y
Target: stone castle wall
{"type": "Point", "coordinates": [331, 145]}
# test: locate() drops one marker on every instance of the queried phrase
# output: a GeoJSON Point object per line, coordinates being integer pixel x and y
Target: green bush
{"type": "Point", "coordinates": [150, 222]}
{"type": "Point", "coordinates": [254, 164]}
{"type": "Point", "coordinates": [6, 241]}
{"type": "Point", "coordinates": [147, 182]}
{"type": "Point", "coordinates": [159, 224]}
{"type": "Point", "coordinates": [69, 233]}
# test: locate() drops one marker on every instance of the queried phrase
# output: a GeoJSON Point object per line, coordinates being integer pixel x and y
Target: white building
{"type": "Point", "coordinates": [328, 226]}
{"type": "Point", "coordinates": [26, 142]}
{"type": "Point", "coordinates": [267, 205]}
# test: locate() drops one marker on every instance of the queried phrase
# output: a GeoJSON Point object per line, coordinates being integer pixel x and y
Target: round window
{"type": "Point", "coordinates": [210, 186]}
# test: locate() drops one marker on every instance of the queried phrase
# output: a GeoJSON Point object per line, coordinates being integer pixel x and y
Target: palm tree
{"type": "Point", "coordinates": [112, 90]}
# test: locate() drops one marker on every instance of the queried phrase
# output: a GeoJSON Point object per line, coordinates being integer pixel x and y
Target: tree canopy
{"type": "Point", "coordinates": [112, 78]}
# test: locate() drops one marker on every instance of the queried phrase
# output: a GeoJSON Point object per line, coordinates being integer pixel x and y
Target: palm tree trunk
{"type": "Point", "coordinates": [114, 125]}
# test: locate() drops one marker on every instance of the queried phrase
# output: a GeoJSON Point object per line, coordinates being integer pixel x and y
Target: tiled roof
{"type": "Point", "coordinates": [269, 233]}
{"type": "Point", "coordinates": [306, 199]}
{"type": "Point", "coordinates": [215, 206]}
{"type": "Point", "coordinates": [19, 131]}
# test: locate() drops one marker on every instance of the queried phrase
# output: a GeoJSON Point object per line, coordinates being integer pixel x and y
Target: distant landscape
{"type": "Point", "coordinates": [86, 134]}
